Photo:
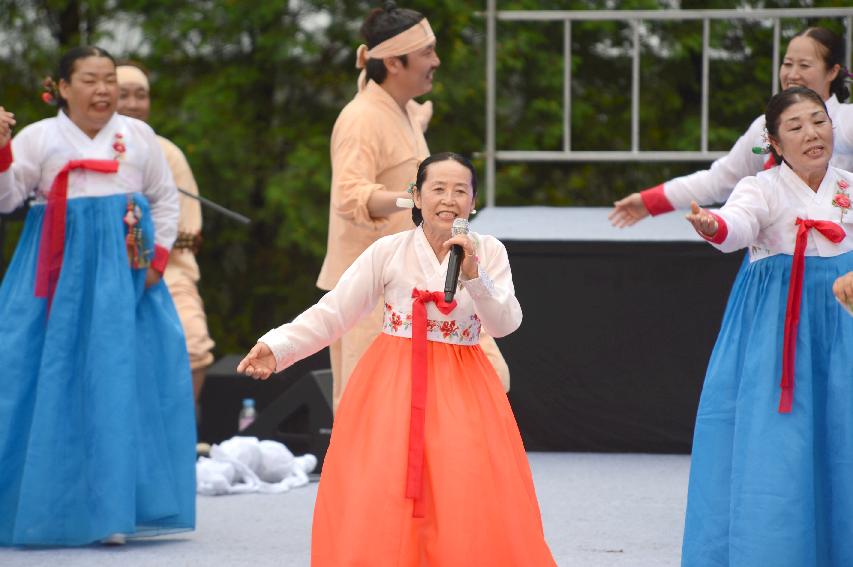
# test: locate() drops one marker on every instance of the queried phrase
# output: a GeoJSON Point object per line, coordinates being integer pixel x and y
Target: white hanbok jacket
{"type": "Point", "coordinates": [761, 214]}
{"type": "Point", "coordinates": [42, 149]}
{"type": "Point", "coordinates": [393, 267]}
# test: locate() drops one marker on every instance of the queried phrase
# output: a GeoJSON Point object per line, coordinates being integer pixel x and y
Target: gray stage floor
{"type": "Point", "coordinates": [598, 511]}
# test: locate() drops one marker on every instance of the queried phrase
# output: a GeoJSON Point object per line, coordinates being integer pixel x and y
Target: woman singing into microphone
{"type": "Point", "coordinates": [410, 477]}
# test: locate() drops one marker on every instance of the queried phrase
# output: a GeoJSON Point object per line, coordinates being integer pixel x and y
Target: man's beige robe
{"type": "Point", "coordinates": [375, 146]}
{"type": "Point", "coordinates": [182, 273]}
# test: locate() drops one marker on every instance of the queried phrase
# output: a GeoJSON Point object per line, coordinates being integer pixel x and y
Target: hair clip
{"type": "Point", "coordinates": [764, 148]}
{"type": "Point", "coordinates": [49, 96]}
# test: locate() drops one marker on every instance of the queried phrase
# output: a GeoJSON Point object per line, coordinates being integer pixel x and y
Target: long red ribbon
{"type": "Point", "coordinates": [52, 245]}
{"type": "Point", "coordinates": [835, 234]}
{"type": "Point", "coordinates": [417, 423]}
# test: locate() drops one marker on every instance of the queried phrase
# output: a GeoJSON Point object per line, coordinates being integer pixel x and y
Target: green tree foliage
{"type": "Point", "coordinates": [250, 91]}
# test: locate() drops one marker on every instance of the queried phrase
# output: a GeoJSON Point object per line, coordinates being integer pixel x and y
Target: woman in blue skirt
{"type": "Point", "coordinates": [97, 429]}
{"type": "Point", "coordinates": [771, 480]}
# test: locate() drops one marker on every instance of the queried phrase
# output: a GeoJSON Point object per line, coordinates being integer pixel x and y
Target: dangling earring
{"type": "Point", "coordinates": [473, 211]}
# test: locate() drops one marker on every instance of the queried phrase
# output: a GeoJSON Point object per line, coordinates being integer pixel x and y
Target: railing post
{"type": "Point", "coordinates": [491, 42]}
{"type": "Point", "coordinates": [776, 60]}
{"type": "Point", "coordinates": [706, 41]}
{"type": "Point", "coordinates": [635, 90]}
{"type": "Point", "coordinates": [567, 85]}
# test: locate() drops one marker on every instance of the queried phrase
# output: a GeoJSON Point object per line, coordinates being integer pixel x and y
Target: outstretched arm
{"type": "Point", "coordinates": [706, 187]}
{"type": "Point", "coordinates": [259, 363]}
{"type": "Point", "coordinates": [628, 211]}
{"type": "Point", "coordinates": [737, 224]}
{"type": "Point", "coordinates": [705, 222]}
{"type": "Point", "coordinates": [353, 297]}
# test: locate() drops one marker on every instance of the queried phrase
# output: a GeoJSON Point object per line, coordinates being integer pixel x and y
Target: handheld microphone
{"type": "Point", "coordinates": [454, 263]}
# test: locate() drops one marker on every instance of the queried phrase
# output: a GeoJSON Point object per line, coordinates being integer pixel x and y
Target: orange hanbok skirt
{"type": "Point", "coordinates": [480, 505]}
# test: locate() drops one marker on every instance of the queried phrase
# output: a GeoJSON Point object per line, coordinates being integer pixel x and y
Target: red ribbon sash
{"type": "Point", "coordinates": [835, 234]}
{"type": "Point", "coordinates": [52, 245]}
{"type": "Point", "coordinates": [417, 423]}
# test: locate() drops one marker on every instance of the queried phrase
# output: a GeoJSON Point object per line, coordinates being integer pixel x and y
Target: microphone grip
{"type": "Point", "coordinates": [454, 264]}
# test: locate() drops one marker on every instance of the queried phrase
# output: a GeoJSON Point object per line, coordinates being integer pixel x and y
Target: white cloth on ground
{"type": "Point", "coordinates": [245, 464]}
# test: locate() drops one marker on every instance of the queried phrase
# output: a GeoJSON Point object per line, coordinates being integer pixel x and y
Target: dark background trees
{"type": "Point", "coordinates": [250, 91]}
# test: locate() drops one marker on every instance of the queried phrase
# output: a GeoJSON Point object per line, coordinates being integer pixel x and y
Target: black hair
{"type": "Point", "coordinates": [417, 216]}
{"type": "Point", "coordinates": [779, 103]}
{"type": "Point", "coordinates": [832, 48]}
{"type": "Point", "coordinates": [68, 62]}
{"type": "Point", "coordinates": [381, 24]}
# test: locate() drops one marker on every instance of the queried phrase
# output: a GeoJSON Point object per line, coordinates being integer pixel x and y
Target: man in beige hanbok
{"type": "Point", "coordinates": [376, 146]}
{"type": "Point", "coordinates": [182, 273]}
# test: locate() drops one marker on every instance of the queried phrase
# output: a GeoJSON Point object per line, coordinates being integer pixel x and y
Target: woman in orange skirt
{"type": "Point", "coordinates": [426, 466]}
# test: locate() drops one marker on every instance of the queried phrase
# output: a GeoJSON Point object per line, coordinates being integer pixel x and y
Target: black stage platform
{"type": "Point", "coordinates": [618, 327]}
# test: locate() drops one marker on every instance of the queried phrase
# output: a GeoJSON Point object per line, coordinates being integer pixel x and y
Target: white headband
{"type": "Point", "coordinates": [416, 37]}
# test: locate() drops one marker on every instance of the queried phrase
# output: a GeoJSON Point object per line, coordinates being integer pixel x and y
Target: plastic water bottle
{"type": "Point", "coordinates": [247, 414]}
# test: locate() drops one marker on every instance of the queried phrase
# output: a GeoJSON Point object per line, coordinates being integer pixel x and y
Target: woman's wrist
{"type": "Point", "coordinates": [470, 267]}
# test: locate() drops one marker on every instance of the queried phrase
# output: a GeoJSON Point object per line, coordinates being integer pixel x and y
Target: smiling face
{"type": "Point", "coordinates": [133, 101]}
{"type": "Point", "coordinates": [804, 137]}
{"type": "Point", "coordinates": [445, 194]}
{"type": "Point", "coordinates": [804, 65]}
{"type": "Point", "coordinates": [415, 77]}
{"type": "Point", "coordinates": [91, 93]}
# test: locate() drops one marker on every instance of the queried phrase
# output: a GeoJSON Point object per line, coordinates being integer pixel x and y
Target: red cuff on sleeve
{"type": "Point", "coordinates": [161, 258]}
{"type": "Point", "coordinates": [6, 157]}
{"type": "Point", "coordinates": [655, 201]}
{"type": "Point", "coordinates": [722, 231]}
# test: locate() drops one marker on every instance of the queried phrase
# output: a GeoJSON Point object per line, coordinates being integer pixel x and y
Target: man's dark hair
{"type": "Point", "coordinates": [381, 24]}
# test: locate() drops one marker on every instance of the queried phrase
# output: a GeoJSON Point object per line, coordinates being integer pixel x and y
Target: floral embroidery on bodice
{"type": "Point", "coordinates": [454, 331]}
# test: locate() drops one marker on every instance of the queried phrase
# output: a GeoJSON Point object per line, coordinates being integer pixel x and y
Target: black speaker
{"type": "Point", "coordinates": [301, 416]}
{"type": "Point", "coordinates": [224, 390]}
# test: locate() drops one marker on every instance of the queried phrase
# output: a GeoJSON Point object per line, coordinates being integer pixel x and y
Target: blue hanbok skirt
{"type": "Point", "coordinates": [97, 421]}
{"type": "Point", "coordinates": [766, 488]}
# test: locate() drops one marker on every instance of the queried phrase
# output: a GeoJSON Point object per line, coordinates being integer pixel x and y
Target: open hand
{"type": "Point", "coordinates": [7, 122]}
{"type": "Point", "coordinates": [628, 211]}
{"type": "Point", "coordinates": [259, 363]}
{"type": "Point", "coordinates": [703, 221]}
{"type": "Point", "coordinates": [843, 290]}
{"type": "Point", "coordinates": [152, 276]}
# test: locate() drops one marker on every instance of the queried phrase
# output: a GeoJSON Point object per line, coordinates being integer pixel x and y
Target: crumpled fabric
{"type": "Point", "coordinates": [244, 464]}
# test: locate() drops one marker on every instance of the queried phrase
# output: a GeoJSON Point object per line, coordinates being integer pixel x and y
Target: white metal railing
{"type": "Point", "coordinates": [635, 19]}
